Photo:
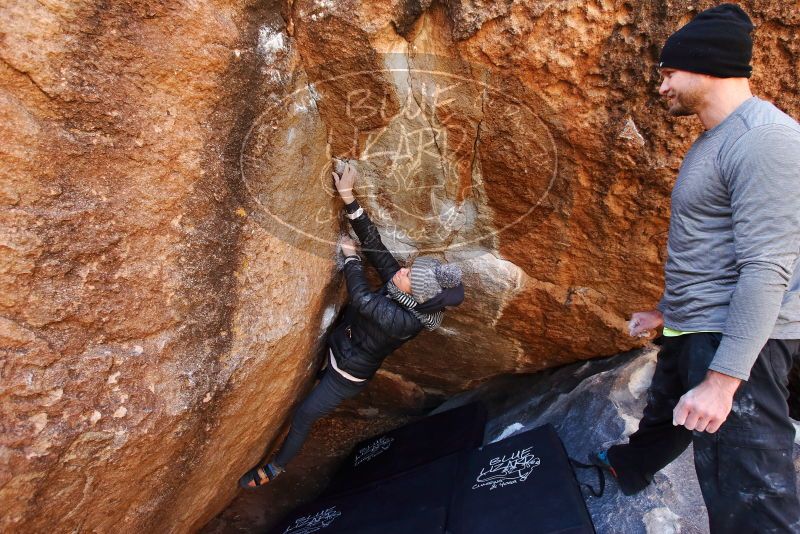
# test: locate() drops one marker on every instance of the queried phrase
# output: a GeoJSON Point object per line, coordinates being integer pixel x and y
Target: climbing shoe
{"type": "Point", "coordinates": [260, 476]}
{"type": "Point", "coordinates": [599, 463]}
{"type": "Point", "coordinates": [600, 459]}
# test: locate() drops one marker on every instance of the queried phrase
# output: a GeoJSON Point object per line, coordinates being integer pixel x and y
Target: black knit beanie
{"type": "Point", "coordinates": [716, 42]}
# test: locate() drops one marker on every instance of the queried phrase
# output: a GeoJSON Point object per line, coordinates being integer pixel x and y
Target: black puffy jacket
{"type": "Point", "coordinates": [373, 325]}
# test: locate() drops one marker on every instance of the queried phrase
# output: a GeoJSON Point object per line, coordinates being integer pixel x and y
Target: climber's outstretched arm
{"type": "Point", "coordinates": [371, 244]}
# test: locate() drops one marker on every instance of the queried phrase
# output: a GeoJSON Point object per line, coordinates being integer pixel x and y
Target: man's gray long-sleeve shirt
{"type": "Point", "coordinates": [734, 236]}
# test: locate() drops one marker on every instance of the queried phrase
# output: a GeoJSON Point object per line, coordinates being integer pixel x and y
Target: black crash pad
{"type": "Point", "coordinates": [409, 446]}
{"type": "Point", "coordinates": [412, 502]}
{"type": "Point", "coordinates": [523, 484]}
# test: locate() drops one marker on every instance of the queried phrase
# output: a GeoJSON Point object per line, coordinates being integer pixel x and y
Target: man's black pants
{"type": "Point", "coordinates": [745, 469]}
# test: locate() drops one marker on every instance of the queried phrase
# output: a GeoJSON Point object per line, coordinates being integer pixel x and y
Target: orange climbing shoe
{"type": "Point", "coordinates": [259, 476]}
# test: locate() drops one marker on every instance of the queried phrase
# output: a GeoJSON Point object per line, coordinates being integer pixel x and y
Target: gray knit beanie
{"type": "Point", "coordinates": [429, 276]}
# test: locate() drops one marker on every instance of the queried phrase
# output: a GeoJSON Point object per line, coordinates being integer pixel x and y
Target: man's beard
{"type": "Point", "coordinates": [686, 104]}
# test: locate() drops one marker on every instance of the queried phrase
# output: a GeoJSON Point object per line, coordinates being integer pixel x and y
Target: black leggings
{"type": "Point", "coordinates": [745, 469]}
{"type": "Point", "coordinates": [331, 390]}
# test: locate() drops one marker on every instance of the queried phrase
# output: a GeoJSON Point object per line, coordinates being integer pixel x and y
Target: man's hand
{"type": "Point", "coordinates": [345, 183]}
{"type": "Point", "coordinates": [705, 407]}
{"type": "Point", "coordinates": [642, 323]}
{"type": "Point", "coordinates": [348, 246]}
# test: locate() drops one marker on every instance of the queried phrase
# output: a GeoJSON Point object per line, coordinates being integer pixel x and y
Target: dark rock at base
{"type": "Point", "coordinates": [593, 405]}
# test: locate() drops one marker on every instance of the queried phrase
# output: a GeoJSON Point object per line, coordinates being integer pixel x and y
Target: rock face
{"type": "Point", "coordinates": [153, 333]}
{"type": "Point", "coordinates": [169, 227]}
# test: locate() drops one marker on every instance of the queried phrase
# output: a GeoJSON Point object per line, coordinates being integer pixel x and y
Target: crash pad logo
{"type": "Point", "coordinates": [313, 523]}
{"type": "Point", "coordinates": [507, 470]}
{"type": "Point", "coordinates": [372, 450]}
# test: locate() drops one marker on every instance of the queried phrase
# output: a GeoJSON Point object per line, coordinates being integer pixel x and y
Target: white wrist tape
{"type": "Point", "coordinates": [356, 214]}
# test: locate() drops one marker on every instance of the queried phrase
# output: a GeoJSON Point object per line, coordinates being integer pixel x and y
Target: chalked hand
{"type": "Point", "coordinates": [643, 323]}
{"type": "Point", "coordinates": [345, 183]}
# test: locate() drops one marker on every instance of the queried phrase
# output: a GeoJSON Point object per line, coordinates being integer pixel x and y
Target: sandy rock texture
{"type": "Point", "coordinates": [154, 334]}
{"type": "Point", "coordinates": [167, 275]}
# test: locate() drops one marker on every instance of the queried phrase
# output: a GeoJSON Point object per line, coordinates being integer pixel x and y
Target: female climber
{"type": "Point", "coordinates": [375, 323]}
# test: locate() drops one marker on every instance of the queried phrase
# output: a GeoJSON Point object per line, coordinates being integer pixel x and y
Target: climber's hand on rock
{"type": "Point", "coordinates": [705, 407]}
{"type": "Point", "coordinates": [348, 246]}
{"type": "Point", "coordinates": [345, 183]}
{"type": "Point", "coordinates": [643, 323]}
